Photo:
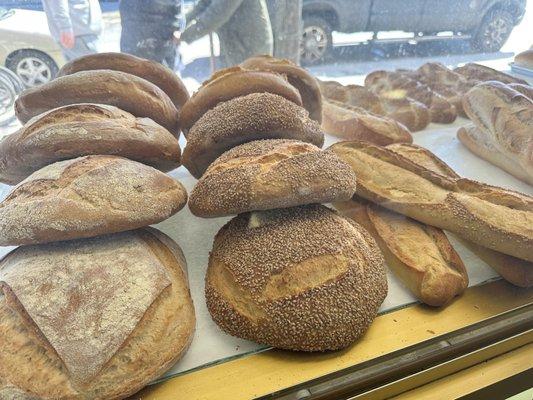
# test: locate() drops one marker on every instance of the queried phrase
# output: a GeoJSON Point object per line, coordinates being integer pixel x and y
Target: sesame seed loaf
{"type": "Point", "coordinates": [125, 91]}
{"type": "Point", "coordinates": [152, 71]}
{"type": "Point", "coordinates": [245, 119]}
{"type": "Point", "coordinates": [83, 129]}
{"type": "Point", "coordinates": [229, 83]}
{"type": "Point", "coordinates": [297, 76]}
{"type": "Point", "coordinates": [87, 196]}
{"type": "Point", "coordinates": [493, 217]}
{"type": "Point", "coordinates": [301, 278]}
{"type": "Point", "coordinates": [94, 318]}
{"type": "Point", "coordinates": [267, 174]}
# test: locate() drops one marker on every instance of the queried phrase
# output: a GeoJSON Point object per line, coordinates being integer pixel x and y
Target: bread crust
{"type": "Point", "coordinates": [298, 77]}
{"type": "Point", "coordinates": [120, 89]}
{"type": "Point", "coordinates": [481, 73]}
{"type": "Point", "coordinates": [161, 76]}
{"type": "Point", "coordinates": [30, 367]}
{"type": "Point", "coordinates": [244, 119]}
{"type": "Point", "coordinates": [524, 59]}
{"type": "Point", "coordinates": [230, 83]}
{"type": "Point", "coordinates": [85, 197]}
{"type": "Point", "coordinates": [318, 291]}
{"type": "Point", "coordinates": [492, 217]}
{"type": "Point", "coordinates": [268, 174]}
{"type": "Point", "coordinates": [83, 129]}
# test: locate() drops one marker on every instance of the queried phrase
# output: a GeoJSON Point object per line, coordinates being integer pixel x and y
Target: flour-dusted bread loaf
{"type": "Point", "coordinates": [84, 129]}
{"type": "Point", "coordinates": [267, 174]}
{"type": "Point", "coordinates": [298, 77]}
{"type": "Point", "coordinates": [229, 83]}
{"type": "Point", "coordinates": [481, 73]}
{"type": "Point", "coordinates": [87, 196]}
{"type": "Point", "coordinates": [244, 119]}
{"type": "Point", "coordinates": [489, 216]}
{"type": "Point", "coordinates": [301, 278]}
{"type": "Point", "coordinates": [161, 76]}
{"type": "Point", "coordinates": [94, 318]}
{"type": "Point", "coordinates": [125, 91]}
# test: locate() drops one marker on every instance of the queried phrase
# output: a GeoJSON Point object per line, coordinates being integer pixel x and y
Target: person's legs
{"type": "Point", "coordinates": [83, 45]}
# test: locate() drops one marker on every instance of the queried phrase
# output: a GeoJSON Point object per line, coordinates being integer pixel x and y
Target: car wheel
{"type": "Point", "coordinates": [316, 40]}
{"type": "Point", "coordinates": [493, 31]}
{"type": "Point", "coordinates": [32, 67]}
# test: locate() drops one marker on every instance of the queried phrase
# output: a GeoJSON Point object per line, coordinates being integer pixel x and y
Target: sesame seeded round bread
{"type": "Point", "coordinates": [115, 88]}
{"type": "Point", "coordinates": [83, 129]}
{"type": "Point", "coordinates": [87, 196]}
{"type": "Point", "coordinates": [94, 318]}
{"type": "Point", "coordinates": [301, 278]}
{"type": "Point", "coordinates": [267, 174]}
{"type": "Point", "coordinates": [297, 76]}
{"type": "Point", "coordinates": [245, 119]}
{"type": "Point", "coordinates": [161, 76]}
{"type": "Point", "coordinates": [229, 83]}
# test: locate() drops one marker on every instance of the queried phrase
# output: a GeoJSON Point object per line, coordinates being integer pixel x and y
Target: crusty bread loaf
{"type": "Point", "coordinates": [85, 197]}
{"type": "Point", "coordinates": [482, 73]}
{"type": "Point", "coordinates": [84, 129]}
{"type": "Point", "coordinates": [352, 95]}
{"type": "Point", "coordinates": [94, 318]}
{"type": "Point", "coordinates": [152, 71]}
{"type": "Point", "coordinates": [267, 174]}
{"type": "Point", "coordinates": [125, 91]}
{"type": "Point", "coordinates": [301, 278]}
{"type": "Point", "coordinates": [244, 119]}
{"type": "Point", "coordinates": [492, 217]}
{"type": "Point", "coordinates": [412, 114]}
{"type": "Point", "coordinates": [524, 59]}
{"type": "Point", "coordinates": [512, 269]}
{"type": "Point", "coordinates": [526, 90]}
{"type": "Point", "coordinates": [355, 123]}
{"type": "Point", "coordinates": [229, 83]}
{"type": "Point", "coordinates": [420, 255]}
{"type": "Point", "coordinates": [298, 77]}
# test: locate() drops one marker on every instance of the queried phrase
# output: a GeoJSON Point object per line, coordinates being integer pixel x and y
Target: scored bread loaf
{"type": "Point", "coordinates": [152, 71]}
{"type": "Point", "coordinates": [420, 255]}
{"type": "Point", "coordinates": [481, 73]}
{"type": "Point", "coordinates": [298, 77]}
{"type": "Point", "coordinates": [94, 318]}
{"type": "Point", "coordinates": [87, 196]}
{"type": "Point", "coordinates": [411, 113]}
{"type": "Point", "coordinates": [524, 59]}
{"type": "Point", "coordinates": [300, 278]}
{"type": "Point", "coordinates": [83, 129]}
{"type": "Point", "coordinates": [244, 119]}
{"type": "Point", "coordinates": [267, 174]}
{"type": "Point", "coordinates": [355, 123]}
{"type": "Point", "coordinates": [230, 83]}
{"type": "Point", "coordinates": [490, 216]}
{"type": "Point", "coordinates": [352, 95]}
{"type": "Point", "coordinates": [125, 91]}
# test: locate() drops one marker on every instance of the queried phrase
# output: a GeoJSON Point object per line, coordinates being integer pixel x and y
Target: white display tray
{"type": "Point", "coordinates": [195, 235]}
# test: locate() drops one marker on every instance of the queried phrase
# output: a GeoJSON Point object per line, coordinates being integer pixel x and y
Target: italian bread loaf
{"type": "Point", "coordinates": [125, 91]}
{"type": "Point", "coordinates": [161, 76]}
{"type": "Point", "coordinates": [94, 318]}
{"type": "Point", "coordinates": [87, 196]}
{"type": "Point", "coordinates": [83, 129]}
{"type": "Point", "coordinates": [301, 278]}
{"type": "Point", "coordinates": [244, 119]}
{"type": "Point", "coordinates": [481, 73]}
{"type": "Point", "coordinates": [267, 174]}
{"type": "Point", "coordinates": [352, 95]}
{"type": "Point", "coordinates": [524, 59]}
{"type": "Point", "coordinates": [489, 216]}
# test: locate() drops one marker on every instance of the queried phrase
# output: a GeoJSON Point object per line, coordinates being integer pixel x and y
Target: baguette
{"type": "Point", "coordinates": [492, 217]}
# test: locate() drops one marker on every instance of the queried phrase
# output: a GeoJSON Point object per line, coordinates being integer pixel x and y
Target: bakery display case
{"type": "Point", "coordinates": [263, 229]}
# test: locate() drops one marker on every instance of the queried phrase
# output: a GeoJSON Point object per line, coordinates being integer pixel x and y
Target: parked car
{"type": "Point", "coordinates": [37, 5]}
{"type": "Point", "coordinates": [487, 23]}
{"type": "Point", "coordinates": [27, 48]}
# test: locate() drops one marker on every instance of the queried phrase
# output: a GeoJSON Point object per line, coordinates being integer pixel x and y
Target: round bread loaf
{"type": "Point", "coordinates": [245, 119]}
{"type": "Point", "coordinates": [525, 59]}
{"type": "Point", "coordinates": [125, 91]}
{"type": "Point", "coordinates": [84, 129]}
{"type": "Point", "coordinates": [229, 83]}
{"type": "Point", "coordinates": [297, 76]}
{"type": "Point", "coordinates": [152, 71]}
{"type": "Point", "coordinates": [87, 196]}
{"type": "Point", "coordinates": [301, 278]}
{"type": "Point", "coordinates": [94, 318]}
{"type": "Point", "coordinates": [267, 174]}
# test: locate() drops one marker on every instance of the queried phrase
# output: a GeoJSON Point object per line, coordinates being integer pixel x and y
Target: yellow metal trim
{"type": "Point", "coordinates": [269, 371]}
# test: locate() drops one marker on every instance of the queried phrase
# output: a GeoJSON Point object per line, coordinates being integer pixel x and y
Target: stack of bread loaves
{"type": "Point", "coordinates": [93, 304]}
{"type": "Point", "coordinates": [286, 271]}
